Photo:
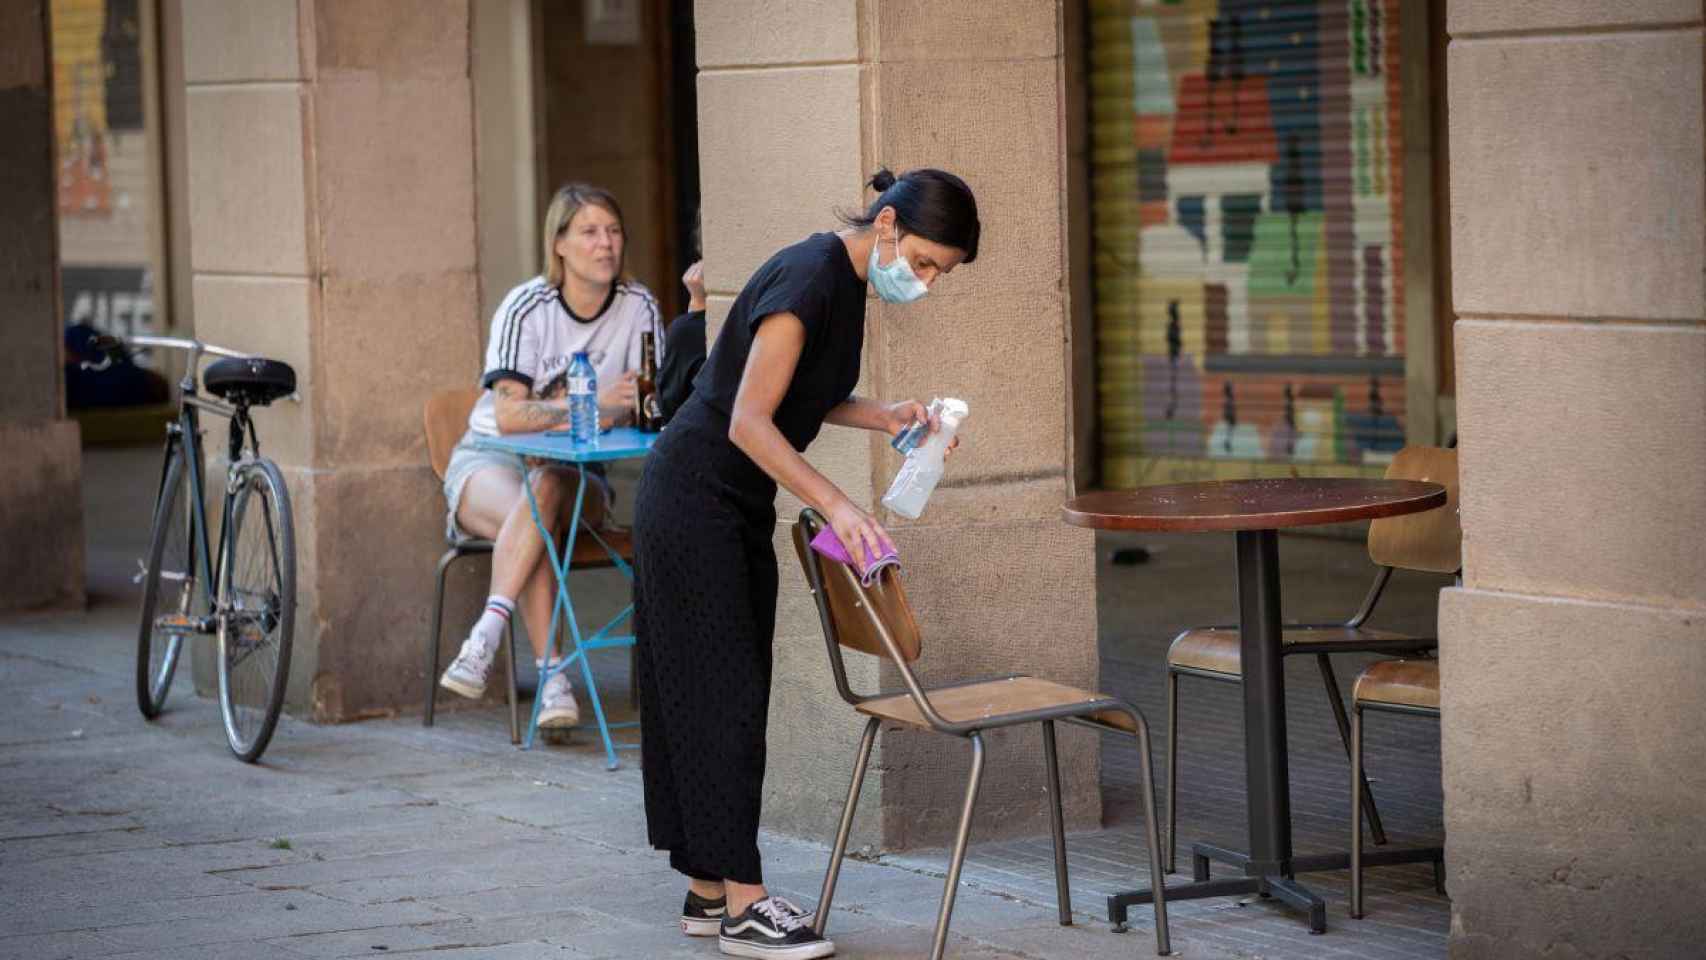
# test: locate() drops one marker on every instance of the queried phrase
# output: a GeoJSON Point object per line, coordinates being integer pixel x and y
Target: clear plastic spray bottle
{"type": "Point", "coordinates": [922, 470]}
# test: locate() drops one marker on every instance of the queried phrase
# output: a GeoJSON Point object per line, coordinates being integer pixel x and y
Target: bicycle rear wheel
{"type": "Point", "coordinates": [172, 598]}
{"type": "Point", "coordinates": [257, 607]}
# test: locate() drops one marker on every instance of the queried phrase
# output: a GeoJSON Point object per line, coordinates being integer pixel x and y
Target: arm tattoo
{"type": "Point", "coordinates": [528, 414]}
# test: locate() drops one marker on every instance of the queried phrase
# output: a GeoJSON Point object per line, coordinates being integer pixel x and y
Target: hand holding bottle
{"type": "Point", "coordinates": [904, 415]}
{"type": "Point", "coordinates": [922, 470]}
{"type": "Point", "coordinates": [620, 394]}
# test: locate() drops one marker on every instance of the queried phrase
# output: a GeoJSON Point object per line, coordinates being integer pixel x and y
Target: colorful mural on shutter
{"type": "Point", "coordinates": [1247, 190]}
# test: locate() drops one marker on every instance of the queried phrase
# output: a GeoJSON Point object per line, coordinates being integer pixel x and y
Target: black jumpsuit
{"type": "Point", "coordinates": [705, 583]}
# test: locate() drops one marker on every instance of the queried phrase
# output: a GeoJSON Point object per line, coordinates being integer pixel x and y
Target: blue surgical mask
{"type": "Point", "coordinates": [895, 282]}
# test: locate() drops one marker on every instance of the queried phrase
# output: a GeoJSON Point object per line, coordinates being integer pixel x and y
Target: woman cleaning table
{"type": "Point", "coordinates": [785, 363]}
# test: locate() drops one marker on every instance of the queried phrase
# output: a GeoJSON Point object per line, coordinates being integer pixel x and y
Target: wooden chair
{"type": "Point", "coordinates": [446, 420]}
{"type": "Point", "coordinates": [877, 620]}
{"type": "Point", "coordinates": [1395, 686]}
{"type": "Point", "coordinates": [1430, 541]}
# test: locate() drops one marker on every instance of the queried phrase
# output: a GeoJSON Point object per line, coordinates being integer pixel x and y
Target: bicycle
{"type": "Point", "coordinates": [252, 612]}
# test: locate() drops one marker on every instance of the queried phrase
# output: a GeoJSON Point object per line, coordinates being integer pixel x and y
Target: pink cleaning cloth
{"type": "Point", "coordinates": [828, 544]}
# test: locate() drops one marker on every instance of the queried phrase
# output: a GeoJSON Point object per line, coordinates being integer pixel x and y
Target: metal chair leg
{"type": "Point", "coordinates": [960, 840]}
{"type": "Point", "coordinates": [1356, 803]}
{"type": "Point", "coordinates": [1376, 831]}
{"type": "Point", "coordinates": [509, 670]}
{"type": "Point", "coordinates": [1057, 821]}
{"type": "Point", "coordinates": [1172, 769]}
{"type": "Point", "coordinates": [433, 637]}
{"type": "Point", "coordinates": [1152, 835]}
{"type": "Point", "coordinates": [827, 894]}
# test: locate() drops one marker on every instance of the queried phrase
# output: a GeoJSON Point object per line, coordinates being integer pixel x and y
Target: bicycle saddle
{"type": "Point", "coordinates": [251, 381]}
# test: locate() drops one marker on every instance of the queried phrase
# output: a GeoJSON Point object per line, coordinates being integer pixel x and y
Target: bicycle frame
{"type": "Point", "coordinates": [186, 432]}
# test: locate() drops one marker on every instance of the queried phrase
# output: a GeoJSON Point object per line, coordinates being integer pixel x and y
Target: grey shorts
{"type": "Point", "coordinates": [466, 460]}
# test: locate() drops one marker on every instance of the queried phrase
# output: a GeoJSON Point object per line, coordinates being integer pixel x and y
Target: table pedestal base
{"type": "Point", "coordinates": [1281, 887]}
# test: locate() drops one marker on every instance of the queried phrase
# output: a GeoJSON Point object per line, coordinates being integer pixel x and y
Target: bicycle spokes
{"type": "Point", "coordinates": [252, 608]}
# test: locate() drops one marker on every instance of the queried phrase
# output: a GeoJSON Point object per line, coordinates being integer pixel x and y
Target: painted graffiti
{"type": "Point", "coordinates": [1266, 321]}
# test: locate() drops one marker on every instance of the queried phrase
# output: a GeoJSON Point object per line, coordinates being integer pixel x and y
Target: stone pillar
{"type": "Point", "coordinates": [41, 471]}
{"type": "Point", "coordinates": [1572, 657]}
{"type": "Point", "coordinates": [792, 118]}
{"type": "Point", "coordinates": [332, 191]}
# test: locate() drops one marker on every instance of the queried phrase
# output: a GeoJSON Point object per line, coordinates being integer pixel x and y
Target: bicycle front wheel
{"type": "Point", "coordinates": [173, 598]}
{"type": "Point", "coordinates": [257, 607]}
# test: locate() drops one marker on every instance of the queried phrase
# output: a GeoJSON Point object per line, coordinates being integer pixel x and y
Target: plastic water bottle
{"type": "Point", "coordinates": [583, 399]}
{"type": "Point", "coordinates": [922, 470]}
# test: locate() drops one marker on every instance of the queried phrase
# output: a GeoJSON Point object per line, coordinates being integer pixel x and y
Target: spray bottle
{"type": "Point", "coordinates": [922, 470]}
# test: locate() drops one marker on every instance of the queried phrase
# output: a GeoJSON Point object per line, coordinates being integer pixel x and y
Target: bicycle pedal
{"type": "Point", "coordinates": [182, 623]}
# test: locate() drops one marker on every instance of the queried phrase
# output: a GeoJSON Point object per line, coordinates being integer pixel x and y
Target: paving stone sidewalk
{"type": "Point", "coordinates": [148, 841]}
{"type": "Point", "coordinates": [121, 838]}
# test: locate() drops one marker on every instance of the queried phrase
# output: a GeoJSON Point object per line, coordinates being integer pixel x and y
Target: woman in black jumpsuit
{"type": "Point", "coordinates": [785, 363]}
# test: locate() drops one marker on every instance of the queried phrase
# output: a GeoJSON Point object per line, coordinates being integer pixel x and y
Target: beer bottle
{"type": "Point", "coordinates": [646, 411]}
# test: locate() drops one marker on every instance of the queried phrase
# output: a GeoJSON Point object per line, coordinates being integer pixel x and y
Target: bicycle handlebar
{"type": "Point", "coordinates": [114, 347]}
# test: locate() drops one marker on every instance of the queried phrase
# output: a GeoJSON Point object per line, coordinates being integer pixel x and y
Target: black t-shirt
{"type": "Point", "coordinates": [813, 280]}
{"type": "Point", "coordinates": [683, 355]}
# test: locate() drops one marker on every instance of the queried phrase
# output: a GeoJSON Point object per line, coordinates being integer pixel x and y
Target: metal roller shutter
{"type": "Point", "coordinates": [1246, 176]}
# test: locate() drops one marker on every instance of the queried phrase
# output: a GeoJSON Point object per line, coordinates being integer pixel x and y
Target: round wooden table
{"type": "Point", "coordinates": [1255, 510]}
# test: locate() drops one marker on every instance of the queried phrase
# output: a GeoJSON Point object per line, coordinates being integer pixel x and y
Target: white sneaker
{"type": "Point", "coordinates": [557, 707]}
{"type": "Point", "coordinates": [466, 674]}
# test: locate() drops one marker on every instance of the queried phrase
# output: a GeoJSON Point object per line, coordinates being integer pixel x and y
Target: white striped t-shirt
{"type": "Point", "coordinates": [535, 334]}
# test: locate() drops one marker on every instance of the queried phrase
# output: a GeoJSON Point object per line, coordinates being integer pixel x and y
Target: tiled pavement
{"type": "Point", "coordinates": [147, 841]}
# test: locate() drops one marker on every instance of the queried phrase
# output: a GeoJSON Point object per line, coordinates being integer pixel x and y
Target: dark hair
{"type": "Point", "coordinates": [934, 204]}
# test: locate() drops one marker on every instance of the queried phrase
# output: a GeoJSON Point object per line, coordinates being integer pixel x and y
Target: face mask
{"type": "Point", "coordinates": [895, 283]}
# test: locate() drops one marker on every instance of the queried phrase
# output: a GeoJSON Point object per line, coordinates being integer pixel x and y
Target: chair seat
{"type": "Point", "coordinates": [993, 699]}
{"type": "Point", "coordinates": [1216, 649]}
{"type": "Point", "coordinates": [1409, 683]}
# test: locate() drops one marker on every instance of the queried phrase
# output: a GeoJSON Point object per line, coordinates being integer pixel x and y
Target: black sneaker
{"type": "Point", "coordinates": [772, 929]}
{"type": "Point", "coordinates": [702, 917]}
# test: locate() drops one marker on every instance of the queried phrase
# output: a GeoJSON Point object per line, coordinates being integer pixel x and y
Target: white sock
{"type": "Point", "coordinates": [490, 627]}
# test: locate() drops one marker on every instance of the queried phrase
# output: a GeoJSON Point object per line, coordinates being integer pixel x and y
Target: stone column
{"type": "Point", "coordinates": [332, 226]}
{"type": "Point", "coordinates": [793, 116]}
{"type": "Point", "coordinates": [41, 470]}
{"type": "Point", "coordinates": [1573, 656]}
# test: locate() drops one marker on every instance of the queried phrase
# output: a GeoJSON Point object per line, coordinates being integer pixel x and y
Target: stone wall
{"type": "Point", "coordinates": [792, 118]}
{"type": "Point", "coordinates": [331, 197]}
{"type": "Point", "coordinates": [1572, 656]}
{"type": "Point", "coordinates": [41, 497]}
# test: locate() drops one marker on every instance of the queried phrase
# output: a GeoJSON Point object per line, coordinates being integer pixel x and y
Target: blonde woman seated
{"type": "Point", "coordinates": [581, 304]}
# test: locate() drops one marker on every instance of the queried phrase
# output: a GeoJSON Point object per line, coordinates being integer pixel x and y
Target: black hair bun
{"type": "Point", "coordinates": [882, 180]}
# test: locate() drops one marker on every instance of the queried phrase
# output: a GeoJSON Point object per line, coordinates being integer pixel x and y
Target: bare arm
{"type": "Point", "coordinates": [863, 413]}
{"type": "Point", "coordinates": [770, 366]}
{"type": "Point", "coordinates": [517, 412]}
{"type": "Point", "coordinates": [891, 418]}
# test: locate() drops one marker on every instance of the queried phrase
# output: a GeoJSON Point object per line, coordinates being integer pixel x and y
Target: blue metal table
{"type": "Point", "coordinates": [621, 443]}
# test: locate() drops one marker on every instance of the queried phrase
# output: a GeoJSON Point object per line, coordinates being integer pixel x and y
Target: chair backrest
{"type": "Point", "coordinates": [854, 615]}
{"type": "Point", "coordinates": [446, 420]}
{"type": "Point", "coordinates": [1431, 540]}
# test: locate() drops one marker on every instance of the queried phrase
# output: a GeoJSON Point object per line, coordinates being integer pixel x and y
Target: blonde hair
{"type": "Point", "coordinates": [568, 201]}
